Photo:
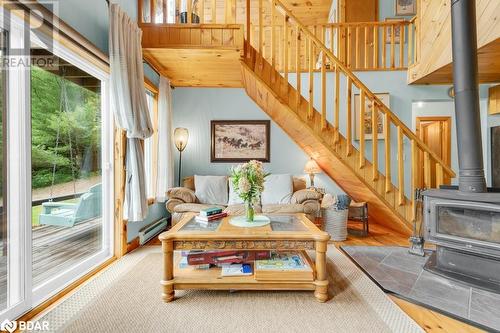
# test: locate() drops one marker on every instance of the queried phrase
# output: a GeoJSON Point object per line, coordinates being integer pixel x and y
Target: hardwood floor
{"type": "Point", "coordinates": [429, 320]}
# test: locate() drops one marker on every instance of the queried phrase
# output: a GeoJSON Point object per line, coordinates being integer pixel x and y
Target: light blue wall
{"type": "Point", "coordinates": [195, 107]}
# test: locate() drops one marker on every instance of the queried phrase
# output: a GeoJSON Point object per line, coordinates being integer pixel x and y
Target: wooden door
{"type": "Point", "coordinates": [435, 132]}
{"type": "Point", "coordinates": [352, 11]}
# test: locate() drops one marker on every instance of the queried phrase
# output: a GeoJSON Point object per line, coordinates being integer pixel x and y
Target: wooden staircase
{"type": "Point", "coordinates": [312, 94]}
{"type": "Point", "coordinates": [268, 83]}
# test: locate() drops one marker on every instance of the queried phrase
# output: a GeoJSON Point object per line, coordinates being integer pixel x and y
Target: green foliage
{"type": "Point", "coordinates": [78, 149]}
{"type": "Point", "coordinates": [248, 180]}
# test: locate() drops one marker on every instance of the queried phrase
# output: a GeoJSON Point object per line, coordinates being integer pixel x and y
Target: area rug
{"type": "Point", "coordinates": [126, 298]}
{"type": "Point", "coordinates": [396, 271]}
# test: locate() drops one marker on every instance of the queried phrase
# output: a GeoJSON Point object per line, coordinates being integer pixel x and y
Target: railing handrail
{"type": "Point", "coordinates": [354, 24]}
{"type": "Point", "coordinates": [363, 87]}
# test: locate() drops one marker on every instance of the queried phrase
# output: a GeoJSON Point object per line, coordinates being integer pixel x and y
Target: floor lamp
{"type": "Point", "coordinates": [181, 136]}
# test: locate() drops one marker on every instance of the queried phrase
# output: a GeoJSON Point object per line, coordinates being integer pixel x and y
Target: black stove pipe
{"type": "Point", "coordinates": [465, 81]}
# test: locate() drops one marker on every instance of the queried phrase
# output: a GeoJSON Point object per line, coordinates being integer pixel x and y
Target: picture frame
{"type": "Point", "coordinates": [240, 140]}
{"type": "Point", "coordinates": [385, 98]}
{"type": "Point", "coordinates": [397, 30]}
{"type": "Point", "coordinates": [405, 7]}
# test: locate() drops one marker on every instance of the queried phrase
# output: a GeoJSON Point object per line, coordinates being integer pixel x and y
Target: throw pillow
{"type": "Point", "coordinates": [211, 190]}
{"type": "Point", "coordinates": [278, 189]}
{"type": "Point", "coordinates": [234, 198]}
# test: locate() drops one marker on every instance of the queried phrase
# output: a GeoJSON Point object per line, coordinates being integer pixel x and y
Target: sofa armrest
{"type": "Point", "coordinates": [182, 193]}
{"type": "Point", "coordinates": [311, 207]}
{"type": "Point", "coordinates": [301, 196]}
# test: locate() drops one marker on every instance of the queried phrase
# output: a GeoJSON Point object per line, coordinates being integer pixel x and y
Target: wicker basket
{"type": "Point", "coordinates": [335, 222]}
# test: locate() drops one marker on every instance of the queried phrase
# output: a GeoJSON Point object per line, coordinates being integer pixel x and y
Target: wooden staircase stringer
{"type": "Point", "coordinates": [270, 91]}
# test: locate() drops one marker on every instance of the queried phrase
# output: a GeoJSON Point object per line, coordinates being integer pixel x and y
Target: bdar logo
{"type": "Point", "coordinates": [8, 326]}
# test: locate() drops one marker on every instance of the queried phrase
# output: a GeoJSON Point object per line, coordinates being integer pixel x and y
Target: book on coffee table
{"type": "Point", "coordinates": [285, 266]}
{"type": "Point", "coordinates": [236, 270]}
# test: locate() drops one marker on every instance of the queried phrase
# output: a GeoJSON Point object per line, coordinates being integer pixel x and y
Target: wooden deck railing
{"type": "Point", "coordinates": [299, 48]}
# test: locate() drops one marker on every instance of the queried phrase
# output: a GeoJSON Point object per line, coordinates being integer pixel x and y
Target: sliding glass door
{"type": "Point", "coordinates": [70, 183]}
{"type": "Point", "coordinates": [56, 168]}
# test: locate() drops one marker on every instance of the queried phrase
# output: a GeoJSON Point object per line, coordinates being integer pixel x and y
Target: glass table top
{"type": "Point", "coordinates": [278, 223]}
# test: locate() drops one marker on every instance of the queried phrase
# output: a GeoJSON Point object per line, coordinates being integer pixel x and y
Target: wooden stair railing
{"type": "Point", "coordinates": [372, 112]}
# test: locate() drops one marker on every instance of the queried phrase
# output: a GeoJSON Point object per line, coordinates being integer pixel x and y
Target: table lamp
{"type": "Point", "coordinates": [311, 169]}
{"type": "Point", "coordinates": [181, 136]}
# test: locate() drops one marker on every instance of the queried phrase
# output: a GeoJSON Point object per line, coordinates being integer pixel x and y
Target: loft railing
{"type": "Point", "coordinates": [300, 49]}
{"type": "Point", "coordinates": [191, 11]}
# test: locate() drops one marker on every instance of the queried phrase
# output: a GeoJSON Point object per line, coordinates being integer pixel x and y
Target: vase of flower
{"type": "Point", "coordinates": [248, 182]}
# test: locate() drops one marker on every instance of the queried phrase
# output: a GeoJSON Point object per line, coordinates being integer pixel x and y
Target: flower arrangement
{"type": "Point", "coordinates": [248, 182]}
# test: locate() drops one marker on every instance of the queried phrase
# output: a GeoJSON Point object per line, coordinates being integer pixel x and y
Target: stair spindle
{"type": "Point", "coordinates": [414, 172]}
{"type": "Point", "coordinates": [311, 78]}
{"type": "Point", "coordinates": [393, 45]}
{"type": "Point", "coordinates": [331, 40]}
{"type": "Point", "coordinates": [349, 117]}
{"type": "Point", "coordinates": [356, 45]}
{"type": "Point", "coordinates": [374, 141]}
{"type": "Point", "coordinates": [384, 46]}
{"type": "Point", "coordinates": [337, 105]}
{"type": "Point", "coordinates": [349, 47]}
{"type": "Point", "coordinates": [375, 46]}
{"type": "Point", "coordinates": [202, 10]}
{"type": "Point", "coordinates": [401, 46]}
{"type": "Point", "coordinates": [152, 9]}
{"type": "Point", "coordinates": [410, 44]}
{"type": "Point", "coordinates": [401, 176]}
{"type": "Point", "coordinates": [366, 47]}
{"type": "Point", "coordinates": [285, 50]}
{"type": "Point", "coordinates": [387, 143]}
{"type": "Point", "coordinates": [189, 12]}
{"type": "Point", "coordinates": [273, 39]}
{"type": "Point", "coordinates": [323, 91]}
{"type": "Point", "coordinates": [298, 67]}
{"type": "Point", "coordinates": [362, 110]}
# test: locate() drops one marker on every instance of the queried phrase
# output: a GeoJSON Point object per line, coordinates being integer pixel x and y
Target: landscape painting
{"type": "Point", "coordinates": [240, 140]}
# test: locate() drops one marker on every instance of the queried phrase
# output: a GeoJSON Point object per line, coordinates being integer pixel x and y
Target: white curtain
{"type": "Point", "coordinates": [128, 101]}
{"type": "Point", "coordinates": [165, 167]}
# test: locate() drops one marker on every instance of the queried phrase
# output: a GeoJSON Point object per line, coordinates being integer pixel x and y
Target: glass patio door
{"type": "Point", "coordinates": [56, 168]}
{"type": "Point", "coordinates": [71, 151]}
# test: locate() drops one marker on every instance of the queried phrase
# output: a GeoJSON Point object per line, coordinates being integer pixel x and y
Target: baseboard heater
{"type": "Point", "coordinates": [151, 230]}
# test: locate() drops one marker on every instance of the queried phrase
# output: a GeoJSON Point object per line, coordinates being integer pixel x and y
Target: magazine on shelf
{"type": "Point", "coordinates": [236, 270]}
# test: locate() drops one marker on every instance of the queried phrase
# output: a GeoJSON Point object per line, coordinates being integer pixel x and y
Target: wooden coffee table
{"type": "Point", "coordinates": [286, 232]}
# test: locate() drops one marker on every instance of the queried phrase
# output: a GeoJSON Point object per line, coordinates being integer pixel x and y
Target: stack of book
{"type": "Point", "coordinates": [225, 257]}
{"type": "Point", "coordinates": [284, 266]}
{"type": "Point", "coordinates": [210, 214]}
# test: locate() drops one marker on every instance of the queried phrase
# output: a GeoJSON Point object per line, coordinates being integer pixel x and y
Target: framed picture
{"type": "Point", "coordinates": [406, 7]}
{"type": "Point", "coordinates": [240, 140]}
{"type": "Point", "coordinates": [385, 98]}
{"type": "Point", "coordinates": [397, 31]}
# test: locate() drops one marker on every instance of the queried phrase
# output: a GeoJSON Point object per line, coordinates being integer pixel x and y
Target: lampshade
{"type": "Point", "coordinates": [312, 167]}
{"type": "Point", "coordinates": [181, 136]}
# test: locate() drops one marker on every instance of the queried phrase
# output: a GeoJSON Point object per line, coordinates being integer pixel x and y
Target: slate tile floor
{"type": "Point", "coordinates": [399, 272]}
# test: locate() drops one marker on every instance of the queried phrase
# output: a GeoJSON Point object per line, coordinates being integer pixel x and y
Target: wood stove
{"type": "Point", "coordinates": [464, 222]}
{"type": "Point", "coordinates": [466, 230]}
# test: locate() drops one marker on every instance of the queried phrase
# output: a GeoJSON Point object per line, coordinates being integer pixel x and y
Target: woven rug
{"type": "Point", "coordinates": [126, 298]}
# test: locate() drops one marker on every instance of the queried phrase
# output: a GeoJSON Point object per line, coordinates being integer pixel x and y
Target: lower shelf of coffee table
{"type": "Point", "coordinates": [192, 278]}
